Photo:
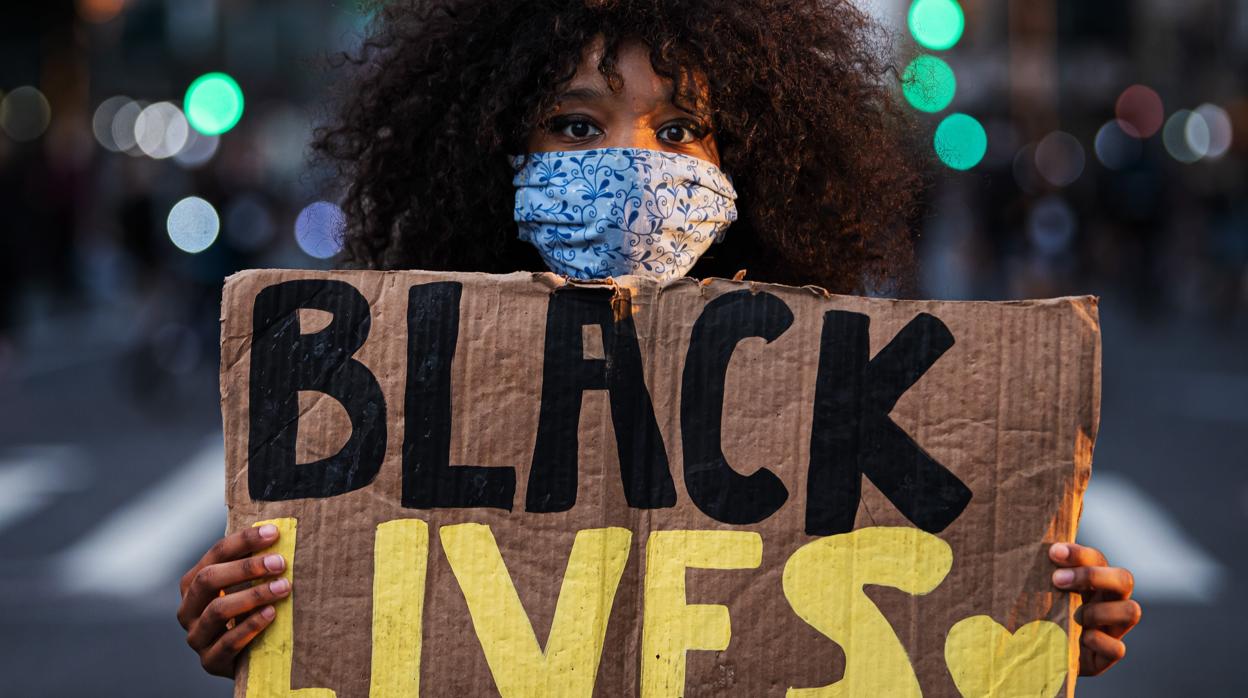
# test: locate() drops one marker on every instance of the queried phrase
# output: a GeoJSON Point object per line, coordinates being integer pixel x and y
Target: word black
{"type": "Point", "coordinates": [852, 434]}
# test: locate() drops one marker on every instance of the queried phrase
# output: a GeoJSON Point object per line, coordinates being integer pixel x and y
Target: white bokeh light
{"type": "Point", "coordinates": [1177, 136]}
{"type": "Point", "coordinates": [193, 225]}
{"type": "Point", "coordinates": [161, 131]}
{"type": "Point", "coordinates": [123, 128]}
{"type": "Point", "coordinates": [1221, 131]}
{"type": "Point", "coordinates": [102, 122]}
{"type": "Point", "coordinates": [1196, 134]}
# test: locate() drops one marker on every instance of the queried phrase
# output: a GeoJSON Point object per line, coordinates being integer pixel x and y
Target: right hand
{"type": "Point", "coordinates": [207, 606]}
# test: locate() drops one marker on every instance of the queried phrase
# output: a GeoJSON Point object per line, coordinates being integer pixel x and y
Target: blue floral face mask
{"type": "Point", "coordinates": [615, 211]}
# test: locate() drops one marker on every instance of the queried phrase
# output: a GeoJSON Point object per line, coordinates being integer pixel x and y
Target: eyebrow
{"type": "Point", "coordinates": [590, 94]}
{"type": "Point", "coordinates": [585, 93]}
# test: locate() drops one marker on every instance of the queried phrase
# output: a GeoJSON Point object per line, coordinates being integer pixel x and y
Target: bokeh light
{"type": "Point", "coordinates": [25, 114]}
{"type": "Point", "coordinates": [1051, 225]}
{"type": "Point", "coordinates": [319, 229]}
{"type": "Point", "coordinates": [1176, 137]}
{"type": "Point", "coordinates": [102, 122]}
{"type": "Point", "coordinates": [99, 11]}
{"type": "Point", "coordinates": [929, 84]}
{"type": "Point", "coordinates": [123, 127]}
{"type": "Point", "coordinates": [193, 225]}
{"type": "Point", "coordinates": [961, 141]}
{"type": "Point", "coordinates": [936, 24]}
{"type": "Point", "coordinates": [161, 131]}
{"type": "Point", "coordinates": [1196, 135]}
{"type": "Point", "coordinates": [1024, 168]}
{"type": "Point", "coordinates": [248, 223]}
{"type": "Point", "coordinates": [1115, 149]}
{"type": "Point", "coordinates": [1221, 130]}
{"type": "Point", "coordinates": [198, 151]}
{"type": "Point", "coordinates": [1140, 111]}
{"type": "Point", "coordinates": [214, 104]}
{"type": "Point", "coordinates": [1060, 158]}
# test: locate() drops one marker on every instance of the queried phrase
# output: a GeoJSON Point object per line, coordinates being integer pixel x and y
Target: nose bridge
{"type": "Point", "coordinates": [634, 132]}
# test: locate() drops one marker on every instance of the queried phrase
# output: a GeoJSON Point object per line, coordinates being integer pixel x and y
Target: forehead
{"type": "Point", "coordinates": [640, 82]}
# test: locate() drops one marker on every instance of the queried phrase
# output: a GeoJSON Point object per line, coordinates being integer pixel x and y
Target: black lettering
{"type": "Point", "coordinates": [566, 375]}
{"type": "Point", "coordinates": [718, 490]}
{"type": "Point", "coordinates": [853, 435]}
{"type": "Point", "coordinates": [429, 479]}
{"type": "Point", "coordinates": [285, 361]}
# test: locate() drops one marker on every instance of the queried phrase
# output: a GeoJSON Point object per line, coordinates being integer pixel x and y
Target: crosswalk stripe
{"type": "Point", "coordinates": [1135, 532]}
{"type": "Point", "coordinates": [145, 545]}
{"type": "Point", "coordinates": [30, 478]}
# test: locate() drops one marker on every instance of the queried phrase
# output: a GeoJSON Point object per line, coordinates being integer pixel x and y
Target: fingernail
{"type": "Point", "coordinates": [274, 563]}
{"type": "Point", "coordinates": [280, 586]}
{"type": "Point", "coordinates": [268, 612]}
{"type": "Point", "coordinates": [268, 531]}
{"type": "Point", "coordinates": [1063, 577]}
{"type": "Point", "coordinates": [1059, 552]}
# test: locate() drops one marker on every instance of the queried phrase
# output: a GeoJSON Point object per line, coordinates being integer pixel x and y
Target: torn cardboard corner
{"type": "Point", "coordinates": [513, 485]}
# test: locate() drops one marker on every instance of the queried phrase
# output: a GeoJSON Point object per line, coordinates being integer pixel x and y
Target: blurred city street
{"type": "Point", "coordinates": [1107, 154]}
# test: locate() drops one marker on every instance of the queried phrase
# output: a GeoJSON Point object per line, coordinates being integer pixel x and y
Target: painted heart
{"type": "Point", "coordinates": [988, 662]}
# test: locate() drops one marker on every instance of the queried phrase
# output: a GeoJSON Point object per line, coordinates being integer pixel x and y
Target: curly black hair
{"type": "Point", "coordinates": [802, 103]}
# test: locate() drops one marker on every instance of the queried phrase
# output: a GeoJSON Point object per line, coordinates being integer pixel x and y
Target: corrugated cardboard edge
{"type": "Point", "coordinates": [1086, 307]}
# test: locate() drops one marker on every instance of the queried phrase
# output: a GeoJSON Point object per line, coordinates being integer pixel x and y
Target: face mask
{"type": "Point", "coordinates": [615, 211]}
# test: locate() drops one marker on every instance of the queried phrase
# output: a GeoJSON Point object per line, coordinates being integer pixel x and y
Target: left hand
{"type": "Point", "coordinates": [1108, 611]}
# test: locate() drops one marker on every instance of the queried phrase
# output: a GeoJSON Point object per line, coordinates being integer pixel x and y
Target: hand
{"type": "Point", "coordinates": [1108, 611]}
{"type": "Point", "coordinates": [207, 610]}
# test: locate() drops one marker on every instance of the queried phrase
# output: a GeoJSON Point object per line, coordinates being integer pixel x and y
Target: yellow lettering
{"type": "Point", "coordinates": [400, 562]}
{"type": "Point", "coordinates": [671, 626]}
{"type": "Point", "coordinates": [569, 664]}
{"type": "Point", "coordinates": [271, 653]}
{"type": "Point", "coordinates": [823, 583]}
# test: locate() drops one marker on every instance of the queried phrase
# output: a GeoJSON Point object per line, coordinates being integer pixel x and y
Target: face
{"type": "Point", "coordinates": [642, 114]}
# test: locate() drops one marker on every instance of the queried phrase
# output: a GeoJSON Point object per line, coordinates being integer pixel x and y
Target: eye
{"type": "Point", "coordinates": [682, 132]}
{"type": "Point", "coordinates": [577, 128]}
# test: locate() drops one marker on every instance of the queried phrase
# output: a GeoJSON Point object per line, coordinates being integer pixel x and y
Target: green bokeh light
{"type": "Point", "coordinates": [214, 104]}
{"type": "Point", "coordinates": [961, 141]}
{"type": "Point", "coordinates": [929, 84]}
{"type": "Point", "coordinates": [936, 24]}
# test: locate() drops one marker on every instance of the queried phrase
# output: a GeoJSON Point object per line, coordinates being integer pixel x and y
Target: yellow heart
{"type": "Point", "coordinates": [988, 662]}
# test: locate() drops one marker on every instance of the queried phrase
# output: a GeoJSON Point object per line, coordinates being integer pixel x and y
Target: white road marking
{"type": "Point", "coordinates": [144, 546]}
{"type": "Point", "coordinates": [31, 477]}
{"type": "Point", "coordinates": [1134, 532]}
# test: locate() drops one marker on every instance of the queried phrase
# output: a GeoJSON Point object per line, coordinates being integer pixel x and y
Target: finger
{"type": "Point", "coordinates": [1075, 555]}
{"type": "Point", "coordinates": [239, 544]}
{"type": "Point", "coordinates": [1111, 582]}
{"type": "Point", "coordinates": [219, 659]}
{"type": "Point", "coordinates": [1099, 652]}
{"type": "Point", "coordinates": [212, 623]}
{"type": "Point", "coordinates": [1116, 618]}
{"type": "Point", "coordinates": [209, 582]}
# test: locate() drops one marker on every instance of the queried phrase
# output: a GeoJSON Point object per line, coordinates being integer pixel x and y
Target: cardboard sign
{"type": "Point", "coordinates": [522, 486]}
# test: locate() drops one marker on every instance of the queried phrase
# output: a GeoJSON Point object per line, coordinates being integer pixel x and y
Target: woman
{"type": "Point", "coordinates": [602, 137]}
